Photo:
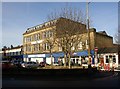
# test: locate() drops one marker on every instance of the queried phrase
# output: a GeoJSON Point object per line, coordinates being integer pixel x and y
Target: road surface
{"type": "Point", "coordinates": [109, 80]}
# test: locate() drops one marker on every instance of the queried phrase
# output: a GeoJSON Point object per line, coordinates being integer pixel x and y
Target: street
{"type": "Point", "coordinates": [97, 80]}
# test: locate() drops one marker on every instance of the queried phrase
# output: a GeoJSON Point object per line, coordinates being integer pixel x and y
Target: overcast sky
{"type": "Point", "coordinates": [18, 16]}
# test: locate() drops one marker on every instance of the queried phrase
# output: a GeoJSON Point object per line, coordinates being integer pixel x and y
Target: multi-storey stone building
{"type": "Point", "coordinates": [36, 48]}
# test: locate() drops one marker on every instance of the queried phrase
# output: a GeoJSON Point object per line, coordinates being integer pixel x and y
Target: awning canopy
{"type": "Point", "coordinates": [59, 54]}
{"type": "Point", "coordinates": [80, 53]}
{"type": "Point", "coordinates": [84, 53]}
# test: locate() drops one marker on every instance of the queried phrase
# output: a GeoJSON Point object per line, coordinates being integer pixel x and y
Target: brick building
{"type": "Point", "coordinates": [36, 47]}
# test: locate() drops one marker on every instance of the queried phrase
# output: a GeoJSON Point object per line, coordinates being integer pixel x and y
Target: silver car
{"type": "Point", "coordinates": [31, 64]}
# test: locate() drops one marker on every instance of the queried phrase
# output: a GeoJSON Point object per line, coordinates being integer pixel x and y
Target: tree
{"type": "Point", "coordinates": [69, 30]}
{"type": "Point", "coordinates": [51, 43]}
{"type": "Point", "coordinates": [117, 41]}
{"type": "Point", "coordinates": [4, 47]}
{"type": "Point", "coordinates": [11, 46]}
{"type": "Point", "coordinates": [117, 38]}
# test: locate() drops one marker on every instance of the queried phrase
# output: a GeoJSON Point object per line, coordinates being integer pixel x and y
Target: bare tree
{"type": "Point", "coordinates": [117, 38]}
{"type": "Point", "coordinates": [69, 28]}
{"type": "Point", "coordinates": [51, 41]}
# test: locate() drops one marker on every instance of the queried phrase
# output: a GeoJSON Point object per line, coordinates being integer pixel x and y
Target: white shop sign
{"type": "Point", "coordinates": [37, 55]}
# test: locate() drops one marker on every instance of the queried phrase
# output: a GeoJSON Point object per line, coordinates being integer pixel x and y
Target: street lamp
{"type": "Point", "coordinates": [88, 31]}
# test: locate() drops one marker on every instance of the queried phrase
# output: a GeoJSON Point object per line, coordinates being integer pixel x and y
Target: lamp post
{"type": "Point", "coordinates": [88, 32]}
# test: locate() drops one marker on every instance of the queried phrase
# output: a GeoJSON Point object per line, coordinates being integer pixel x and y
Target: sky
{"type": "Point", "coordinates": [18, 16]}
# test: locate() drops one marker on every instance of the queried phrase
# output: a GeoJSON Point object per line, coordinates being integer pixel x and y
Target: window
{"type": "Point", "coordinates": [60, 48]}
{"type": "Point", "coordinates": [39, 47]}
{"type": "Point", "coordinates": [31, 38]}
{"type": "Point", "coordinates": [25, 39]}
{"type": "Point", "coordinates": [77, 61]}
{"type": "Point", "coordinates": [38, 36]}
{"type": "Point", "coordinates": [29, 59]}
{"type": "Point", "coordinates": [35, 37]}
{"type": "Point", "coordinates": [46, 46]}
{"type": "Point", "coordinates": [43, 46]}
{"type": "Point", "coordinates": [114, 59]}
{"type": "Point", "coordinates": [43, 35]}
{"type": "Point", "coordinates": [110, 56]}
{"type": "Point", "coordinates": [47, 34]}
{"type": "Point", "coordinates": [24, 48]}
{"type": "Point", "coordinates": [86, 44]}
{"type": "Point", "coordinates": [80, 45]}
{"type": "Point", "coordinates": [17, 53]}
{"type": "Point", "coordinates": [28, 48]}
{"type": "Point", "coordinates": [72, 46]}
{"type": "Point", "coordinates": [107, 60]}
{"type": "Point", "coordinates": [36, 47]}
{"type": "Point", "coordinates": [13, 53]}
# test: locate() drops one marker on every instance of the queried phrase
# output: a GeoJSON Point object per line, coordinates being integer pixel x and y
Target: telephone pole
{"type": "Point", "coordinates": [88, 31]}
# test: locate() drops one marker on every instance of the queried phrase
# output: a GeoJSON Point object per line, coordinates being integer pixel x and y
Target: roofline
{"type": "Point", "coordinates": [14, 47]}
{"type": "Point", "coordinates": [104, 35]}
{"type": "Point", "coordinates": [51, 25]}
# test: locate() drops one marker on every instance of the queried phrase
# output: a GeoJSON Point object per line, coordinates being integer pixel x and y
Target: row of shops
{"type": "Point", "coordinates": [103, 57]}
{"type": "Point", "coordinates": [57, 57]}
{"type": "Point", "coordinates": [77, 58]}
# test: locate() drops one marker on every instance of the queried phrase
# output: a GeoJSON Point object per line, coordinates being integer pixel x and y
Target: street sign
{"type": "Point", "coordinates": [96, 49]}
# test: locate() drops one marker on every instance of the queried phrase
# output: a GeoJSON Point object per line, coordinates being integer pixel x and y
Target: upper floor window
{"type": "Point", "coordinates": [46, 46]}
{"type": "Point", "coordinates": [36, 47]}
{"type": "Point", "coordinates": [47, 34]}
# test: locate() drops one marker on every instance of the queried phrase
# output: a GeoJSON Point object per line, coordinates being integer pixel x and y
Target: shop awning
{"type": "Point", "coordinates": [83, 53]}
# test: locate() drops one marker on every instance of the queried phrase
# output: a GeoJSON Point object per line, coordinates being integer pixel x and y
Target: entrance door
{"type": "Point", "coordinates": [29, 59]}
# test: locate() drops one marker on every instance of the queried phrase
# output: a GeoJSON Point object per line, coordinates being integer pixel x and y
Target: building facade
{"type": "Point", "coordinates": [109, 56]}
{"type": "Point", "coordinates": [37, 48]}
{"type": "Point", "coordinates": [14, 53]}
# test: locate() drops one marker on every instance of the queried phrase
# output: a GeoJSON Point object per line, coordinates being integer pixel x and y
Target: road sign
{"type": "Point", "coordinates": [96, 49]}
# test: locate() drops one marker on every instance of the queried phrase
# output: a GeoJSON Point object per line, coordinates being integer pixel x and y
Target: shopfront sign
{"type": "Point", "coordinates": [36, 55]}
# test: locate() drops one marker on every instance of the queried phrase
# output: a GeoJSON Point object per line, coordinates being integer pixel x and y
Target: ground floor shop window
{"type": "Point", "coordinates": [107, 59]}
{"type": "Point", "coordinates": [114, 59]}
{"type": "Point", "coordinates": [77, 61]}
{"type": "Point", "coordinates": [29, 59]}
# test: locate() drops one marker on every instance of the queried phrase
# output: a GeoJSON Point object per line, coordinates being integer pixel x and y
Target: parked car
{"type": "Point", "coordinates": [42, 64]}
{"type": "Point", "coordinates": [6, 64]}
{"type": "Point", "coordinates": [17, 63]}
{"type": "Point", "coordinates": [117, 69]}
{"type": "Point", "coordinates": [31, 64]}
{"type": "Point", "coordinates": [23, 63]}
{"type": "Point", "coordinates": [55, 64]}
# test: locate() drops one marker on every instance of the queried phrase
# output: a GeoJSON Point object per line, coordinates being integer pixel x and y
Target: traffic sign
{"type": "Point", "coordinates": [96, 49]}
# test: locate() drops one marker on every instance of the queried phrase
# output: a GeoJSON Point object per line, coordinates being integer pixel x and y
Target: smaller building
{"type": "Point", "coordinates": [1, 54]}
{"type": "Point", "coordinates": [13, 53]}
{"type": "Point", "coordinates": [108, 56]}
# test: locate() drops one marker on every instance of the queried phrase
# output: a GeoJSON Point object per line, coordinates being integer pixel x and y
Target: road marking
{"type": "Point", "coordinates": [114, 75]}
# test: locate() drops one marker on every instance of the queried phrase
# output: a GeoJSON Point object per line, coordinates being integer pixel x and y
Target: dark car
{"type": "Point", "coordinates": [17, 63]}
{"type": "Point", "coordinates": [31, 64]}
{"type": "Point", "coordinates": [42, 64]}
{"type": "Point", "coordinates": [7, 64]}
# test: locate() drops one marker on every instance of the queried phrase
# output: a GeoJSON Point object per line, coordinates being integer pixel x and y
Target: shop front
{"type": "Point", "coordinates": [76, 58]}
